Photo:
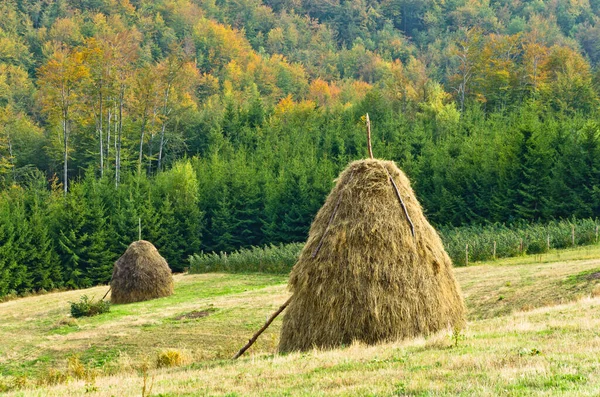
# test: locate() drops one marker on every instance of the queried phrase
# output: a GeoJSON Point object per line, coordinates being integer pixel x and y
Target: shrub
{"type": "Point", "coordinates": [86, 307]}
{"type": "Point", "coordinates": [169, 358]}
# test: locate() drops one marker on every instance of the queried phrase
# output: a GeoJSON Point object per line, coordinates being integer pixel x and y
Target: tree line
{"type": "Point", "coordinates": [222, 125]}
{"type": "Point", "coordinates": [264, 186]}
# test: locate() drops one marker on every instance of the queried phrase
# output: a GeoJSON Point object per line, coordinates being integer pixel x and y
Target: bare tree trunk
{"type": "Point", "coordinates": [108, 116]}
{"type": "Point", "coordinates": [162, 132]}
{"type": "Point", "coordinates": [119, 137]}
{"type": "Point", "coordinates": [161, 146]}
{"type": "Point", "coordinates": [66, 149]}
{"type": "Point", "coordinates": [116, 128]}
{"type": "Point", "coordinates": [151, 143]}
{"type": "Point", "coordinates": [144, 120]}
{"type": "Point", "coordinates": [101, 139]}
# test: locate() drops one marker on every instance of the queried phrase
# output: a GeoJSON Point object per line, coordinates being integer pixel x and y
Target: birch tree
{"type": "Point", "coordinates": [60, 81]}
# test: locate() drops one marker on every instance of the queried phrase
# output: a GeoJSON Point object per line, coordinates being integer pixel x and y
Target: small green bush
{"type": "Point", "coordinates": [86, 307]}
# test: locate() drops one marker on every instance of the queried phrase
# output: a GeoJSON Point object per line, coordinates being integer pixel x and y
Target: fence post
{"type": "Point", "coordinates": [494, 256]}
{"type": "Point", "coordinates": [573, 234]}
{"type": "Point", "coordinates": [548, 242]}
{"type": "Point", "coordinates": [521, 245]}
{"type": "Point", "coordinates": [596, 233]}
{"type": "Point", "coordinates": [467, 255]}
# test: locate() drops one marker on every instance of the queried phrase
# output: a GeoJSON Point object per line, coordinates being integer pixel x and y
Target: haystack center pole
{"type": "Point", "coordinates": [260, 331]}
{"type": "Point", "coordinates": [369, 136]}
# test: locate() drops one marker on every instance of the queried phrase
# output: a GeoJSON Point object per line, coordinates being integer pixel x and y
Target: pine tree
{"type": "Point", "coordinates": [531, 201]}
{"type": "Point", "coordinates": [43, 265]}
{"type": "Point", "coordinates": [223, 224]}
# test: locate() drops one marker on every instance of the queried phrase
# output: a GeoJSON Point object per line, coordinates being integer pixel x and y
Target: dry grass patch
{"type": "Point", "coordinates": [515, 355]}
{"type": "Point", "coordinates": [496, 356]}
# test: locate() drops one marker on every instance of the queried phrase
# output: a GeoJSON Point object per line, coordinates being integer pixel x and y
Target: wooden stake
{"type": "Point", "coordinates": [573, 234]}
{"type": "Point", "coordinates": [494, 256]}
{"type": "Point", "coordinates": [139, 228]}
{"type": "Point", "coordinates": [467, 255]}
{"type": "Point", "coordinates": [369, 136]}
{"type": "Point", "coordinates": [548, 242]}
{"type": "Point", "coordinates": [109, 288]}
{"type": "Point", "coordinates": [521, 245]}
{"type": "Point", "coordinates": [596, 233]}
{"type": "Point", "coordinates": [260, 331]}
{"type": "Point", "coordinates": [412, 226]}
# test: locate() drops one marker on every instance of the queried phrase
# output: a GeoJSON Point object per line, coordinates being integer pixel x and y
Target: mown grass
{"type": "Point", "coordinates": [504, 351]}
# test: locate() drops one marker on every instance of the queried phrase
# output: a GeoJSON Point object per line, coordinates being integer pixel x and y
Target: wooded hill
{"type": "Point", "coordinates": [222, 124]}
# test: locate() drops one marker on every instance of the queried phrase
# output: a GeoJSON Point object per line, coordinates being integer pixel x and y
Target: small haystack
{"type": "Point", "coordinates": [362, 275]}
{"type": "Point", "coordinates": [140, 274]}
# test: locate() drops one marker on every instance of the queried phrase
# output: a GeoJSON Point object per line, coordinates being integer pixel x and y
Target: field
{"type": "Point", "coordinates": [534, 329]}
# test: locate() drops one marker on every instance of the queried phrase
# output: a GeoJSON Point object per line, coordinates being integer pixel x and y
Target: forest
{"type": "Point", "coordinates": [222, 125]}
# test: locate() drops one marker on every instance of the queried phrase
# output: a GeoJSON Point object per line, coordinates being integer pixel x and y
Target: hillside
{"type": "Point", "coordinates": [518, 342]}
{"type": "Point", "coordinates": [221, 124]}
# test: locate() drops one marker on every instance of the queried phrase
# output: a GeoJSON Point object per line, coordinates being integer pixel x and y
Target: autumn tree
{"type": "Point", "coordinates": [60, 81]}
{"type": "Point", "coordinates": [178, 77]}
{"type": "Point", "coordinates": [467, 55]}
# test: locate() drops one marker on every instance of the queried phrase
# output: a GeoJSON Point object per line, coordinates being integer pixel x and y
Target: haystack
{"type": "Point", "coordinates": [363, 275]}
{"type": "Point", "coordinates": [140, 274]}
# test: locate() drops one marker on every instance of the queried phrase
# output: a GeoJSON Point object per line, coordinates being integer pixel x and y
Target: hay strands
{"type": "Point", "coordinates": [337, 204]}
{"type": "Point", "coordinates": [412, 226]}
{"type": "Point", "coordinates": [260, 331]}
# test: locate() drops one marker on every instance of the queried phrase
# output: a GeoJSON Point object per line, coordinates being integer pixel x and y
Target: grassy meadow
{"type": "Point", "coordinates": [534, 329]}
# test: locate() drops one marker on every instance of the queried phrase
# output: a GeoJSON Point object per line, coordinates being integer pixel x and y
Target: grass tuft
{"type": "Point", "coordinates": [169, 358]}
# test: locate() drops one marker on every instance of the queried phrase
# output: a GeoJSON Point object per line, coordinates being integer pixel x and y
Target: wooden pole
{"type": "Point", "coordinates": [139, 228]}
{"type": "Point", "coordinates": [521, 245]}
{"type": "Point", "coordinates": [412, 226]}
{"type": "Point", "coordinates": [467, 255]}
{"type": "Point", "coordinates": [369, 136]}
{"type": "Point", "coordinates": [494, 256]}
{"type": "Point", "coordinates": [548, 242]}
{"type": "Point", "coordinates": [573, 235]}
{"type": "Point", "coordinates": [109, 288]}
{"type": "Point", "coordinates": [596, 233]}
{"type": "Point", "coordinates": [260, 331]}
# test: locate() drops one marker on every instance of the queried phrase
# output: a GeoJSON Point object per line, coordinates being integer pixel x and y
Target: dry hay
{"type": "Point", "coordinates": [140, 274]}
{"type": "Point", "coordinates": [369, 279]}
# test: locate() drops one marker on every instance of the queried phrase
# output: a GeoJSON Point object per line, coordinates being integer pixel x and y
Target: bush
{"type": "Point", "coordinates": [169, 358]}
{"type": "Point", "coordinates": [86, 307]}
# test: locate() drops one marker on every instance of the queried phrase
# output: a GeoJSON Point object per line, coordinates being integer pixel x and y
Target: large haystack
{"type": "Point", "coordinates": [140, 274]}
{"type": "Point", "coordinates": [362, 275]}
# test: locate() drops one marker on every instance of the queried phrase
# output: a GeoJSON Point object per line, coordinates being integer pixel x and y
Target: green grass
{"type": "Point", "coordinates": [518, 341]}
